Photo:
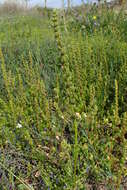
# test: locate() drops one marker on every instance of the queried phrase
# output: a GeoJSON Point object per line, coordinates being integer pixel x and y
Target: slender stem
{"type": "Point", "coordinates": [75, 151]}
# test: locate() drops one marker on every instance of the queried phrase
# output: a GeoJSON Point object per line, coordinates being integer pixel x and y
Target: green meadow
{"type": "Point", "coordinates": [63, 100]}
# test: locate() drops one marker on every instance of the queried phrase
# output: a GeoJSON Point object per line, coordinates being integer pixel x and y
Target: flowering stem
{"type": "Point", "coordinates": [75, 150]}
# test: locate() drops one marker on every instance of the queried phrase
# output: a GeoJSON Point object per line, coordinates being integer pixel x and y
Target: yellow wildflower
{"type": "Point", "coordinates": [94, 17]}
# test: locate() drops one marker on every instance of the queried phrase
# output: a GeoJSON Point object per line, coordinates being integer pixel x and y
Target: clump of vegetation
{"type": "Point", "coordinates": [63, 101]}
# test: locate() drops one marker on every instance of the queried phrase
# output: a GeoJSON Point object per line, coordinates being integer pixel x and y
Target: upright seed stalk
{"type": "Point", "coordinates": [116, 114]}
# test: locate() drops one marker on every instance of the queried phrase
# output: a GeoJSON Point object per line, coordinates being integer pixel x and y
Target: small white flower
{"type": "Point", "coordinates": [85, 115]}
{"type": "Point", "coordinates": [57, 137]}
{"type": "Point", "coordinates": [37, 174]}
{"type": "Point", "coordinates": [62, 117]}
{"type": "Point", "coordinates": [78, 115]}
{"type": "Point", "coordinates": [47, 154]}
{"type": "Point", "coordinates": [19, 126]}
{"type": "Point", "coordinates": [83, 27]}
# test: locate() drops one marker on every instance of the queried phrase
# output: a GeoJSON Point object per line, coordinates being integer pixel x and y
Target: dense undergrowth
{"type": "Point", "coordinates": [63, 101]}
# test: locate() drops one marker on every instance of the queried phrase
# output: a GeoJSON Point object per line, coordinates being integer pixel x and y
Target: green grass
{"type": "Point", "coordinates": [63, 101]}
